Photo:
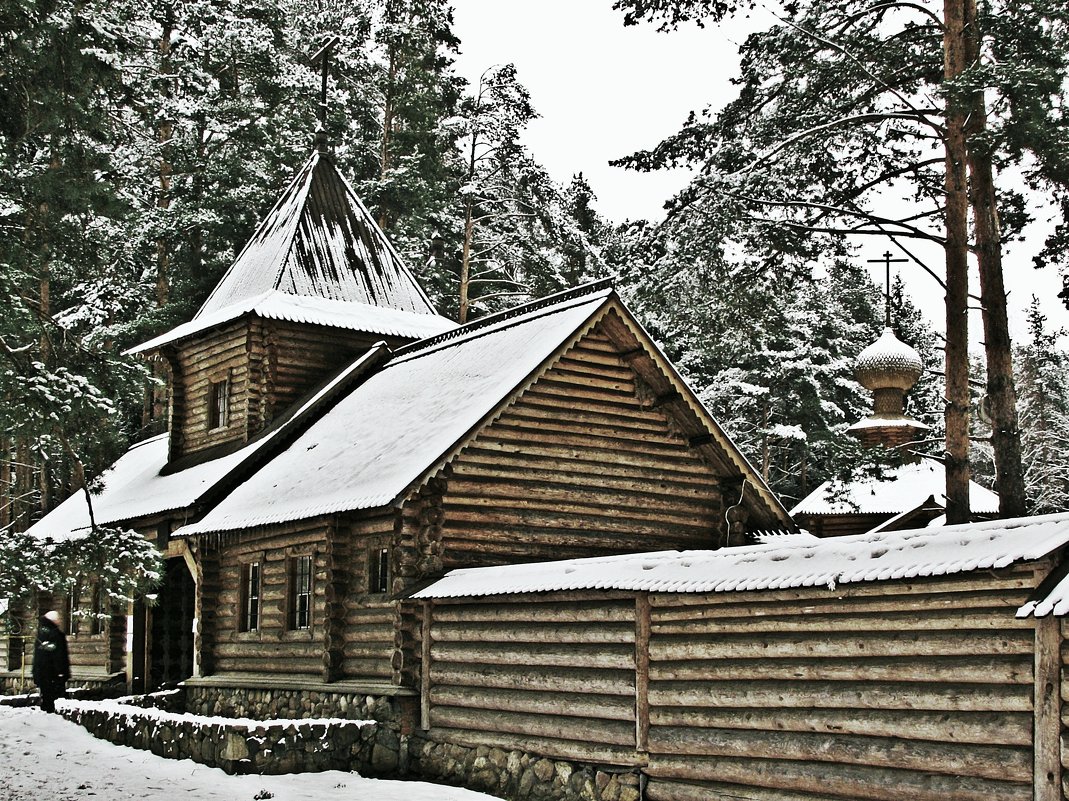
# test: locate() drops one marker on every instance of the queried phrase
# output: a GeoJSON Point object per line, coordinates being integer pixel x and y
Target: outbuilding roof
{"type": "Point", "coordinates": [798, 562]}
{"type": "Point", "coordinates": [902, 489]}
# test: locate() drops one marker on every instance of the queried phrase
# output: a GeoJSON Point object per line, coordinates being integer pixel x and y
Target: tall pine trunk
{"type": "Point", "coordinates": [957, 273]}
{"type": "Point", "coordinates": [1001, 392]}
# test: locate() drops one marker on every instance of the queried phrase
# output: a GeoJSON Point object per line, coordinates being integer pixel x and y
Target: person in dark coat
{"type": "Point", "coordinates": [51, 663]}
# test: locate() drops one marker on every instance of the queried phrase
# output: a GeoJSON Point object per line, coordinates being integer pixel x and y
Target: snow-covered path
{"type": "Point", "coordinates": [46, 758]}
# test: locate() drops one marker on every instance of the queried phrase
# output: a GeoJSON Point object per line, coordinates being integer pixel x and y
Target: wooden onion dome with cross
{"type": "Point", "coordinates": [888, 368]}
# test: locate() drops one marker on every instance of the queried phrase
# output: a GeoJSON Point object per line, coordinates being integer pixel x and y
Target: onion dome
{"type": "Point", "coordinates": [888, 363]}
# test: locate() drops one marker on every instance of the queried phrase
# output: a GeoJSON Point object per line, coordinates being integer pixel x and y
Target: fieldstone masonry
{"type": "Point", "coordinates": [332, 731]}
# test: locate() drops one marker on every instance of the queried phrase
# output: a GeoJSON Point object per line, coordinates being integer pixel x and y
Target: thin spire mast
{"type": "Point", "coordinates": [321, 58]}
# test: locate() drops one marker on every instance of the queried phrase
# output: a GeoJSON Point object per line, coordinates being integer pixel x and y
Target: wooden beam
{"type": "Point", "coordinates": [1047, 768]}
{"type": "Point", "coordinates": [642, 671]}
{"type": "Point", "coordinates": [425, 668]}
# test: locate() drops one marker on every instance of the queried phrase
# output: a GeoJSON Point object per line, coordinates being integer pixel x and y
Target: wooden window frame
{"type": "Point", "coordinates": [302, 592]}
{"type": "Point", "coordinates": [250, 615]}
{"type": "Point", "coordinates": [219, 403]}
{"type": "Point", "coordinates": [378, 570]}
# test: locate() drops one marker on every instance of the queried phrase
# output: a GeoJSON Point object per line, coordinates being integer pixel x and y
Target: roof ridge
{"type": "Point", "coordinates": [516, 311]}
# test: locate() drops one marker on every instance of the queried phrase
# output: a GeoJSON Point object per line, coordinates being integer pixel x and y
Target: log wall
{"type": "Point", "coordinates": [583, 463]}
{"type": "Point", "coordinates": [370, 618]}
{"type": "Point", "coordinates": [554, 678]}
{"type": "Point", "coordinates": [926, 689]}
{"type": "Point", "coordinates": [274, 648]}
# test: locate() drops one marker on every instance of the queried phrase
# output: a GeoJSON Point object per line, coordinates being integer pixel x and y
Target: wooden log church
{"type": "Point", "coordinates": [526, 534]}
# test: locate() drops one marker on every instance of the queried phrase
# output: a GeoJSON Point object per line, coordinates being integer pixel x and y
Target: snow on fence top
{"type": "Point", "coordinates": [798, 562]}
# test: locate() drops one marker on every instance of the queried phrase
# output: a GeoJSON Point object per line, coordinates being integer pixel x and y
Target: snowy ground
{"type": "Point", "coordinates": [46, 758]}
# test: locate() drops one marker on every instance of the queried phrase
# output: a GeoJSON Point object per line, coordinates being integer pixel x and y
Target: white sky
{"type": "Point", "coordinates": [605, 91]}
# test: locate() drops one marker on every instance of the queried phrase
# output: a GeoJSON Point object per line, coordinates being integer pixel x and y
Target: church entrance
{"type": "Point", "coordinates": [169, 625]}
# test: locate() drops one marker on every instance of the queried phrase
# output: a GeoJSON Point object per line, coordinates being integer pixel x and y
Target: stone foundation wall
{"type": "Point", "coordinates": [518, 775]}
{"type": "Point", "coordinates": [243, 746]}
{"type": "Point", "coordinates": [237, 702]}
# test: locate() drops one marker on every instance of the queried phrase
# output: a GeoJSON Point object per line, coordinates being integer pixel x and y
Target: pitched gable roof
{"type": "Point", "coordinates": [320, 241]}
{"type": "Point", "coordinates": [318, 257]}
{"type": "Point", "coordinates": [408, 419]}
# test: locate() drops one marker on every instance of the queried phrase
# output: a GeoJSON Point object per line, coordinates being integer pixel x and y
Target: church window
{"type": "Point", "coordinates": [301, 592]}
{"type": "Point", "coordinates": [219, 404]}
{"type": "Point", "coordinates": [250, 596]}
{"type": "Point", "coordinates": [378, 574]}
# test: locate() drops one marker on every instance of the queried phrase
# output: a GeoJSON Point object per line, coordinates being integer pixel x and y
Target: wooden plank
{"type": "Point", "coordinates": [984, 728]}
{"type": "Point", "coordinates": [546, 746]}
{"type": "Point", "coordinates": [1048, 690]}
{"type": "Point", "coordinates": [562, 632]}
{"type": "Point", "coordinates": [425, 686]}
{"type": "Point", "coordinates": [948, 620]}
{"type": "Point", "coordinates": [1006, 763]}
{"type": "Point", "coordinates": [534, 702]}
{"type": "Point", "coordinates": [842, 695]}
{"type": "Point", "coordinates": [841, 644]}
{"type": "Point", "coordinates": [851, 781]}
{"type": "Point", "coordinates": [642, 671]}
{"type": "Point", "coordinates": [594, 656]}
{"type": "Point", "coordinates": [568, 679]}
{"type": "Point", "coordinates": [1009, 669]}
{"type": "Point", "coordinates": [552, 727]}
{"type": "Point", "coordinates": [665, 790]}
{"type": "Point", "coordinates": [536, 609]}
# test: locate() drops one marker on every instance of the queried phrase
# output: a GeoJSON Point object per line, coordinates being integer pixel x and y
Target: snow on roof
{"type": "Point", "coordinates": [905, 488]}
{"type": "Point", "coordinates": [1055, 602]}
{"type": "Point", "coordinates": [320, 241]}
{"type": "Point", "coordinates": [403, 419]}
{"type": "Point", "coordinates": [888, 421]}
{"type": "Point", "coordinates": [133, 487]}
{"type": "Point", "coordinates": [796, 563]}
{"type": "Point", "coordinates": [277, 305]}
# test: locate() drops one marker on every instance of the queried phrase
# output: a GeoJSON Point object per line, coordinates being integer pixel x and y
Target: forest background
{"type": "Point", "coordinates": [140, 143]}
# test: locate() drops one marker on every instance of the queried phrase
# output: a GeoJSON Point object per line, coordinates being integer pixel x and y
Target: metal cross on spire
{"type": "Point", "coordinates": [321, 59]}
{"type": "Point", "coordinates": [886, 261]}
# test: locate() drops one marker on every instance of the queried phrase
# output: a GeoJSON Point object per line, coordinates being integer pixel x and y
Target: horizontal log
{"type": "Point", "coordinates": [383, 650]}
{"type": "Point", "coordinates": [535, 610]}
{"type": "Point", "coordinates": [844, 600]}
{"type": "Point", "coordinates": [842, 695]}
{"type": "Point", "coordinates": [552, 632]}
{"type": "Point", "coordinates": [585, 705]}
{"type": "Point", "coordinates": [290, 649]}
{"type": "Point", "coordinates": [666, 790]}
{"type": "Point", "coordinates": [989, 582]}
{"type": "Point", "coordinates": [556, 727]}
{"type": "Point", "coordinates": [533, 543]}
{"type": "Point", "coordinates": [947, 620]}
{"type": "Point", "coordinates": [370, 669]}
{"type": "Point", "coordinates": [566, 438]}
{"type": "Point", "coordinates": [610, 657]}
{"type": "Point", "coordinates": [528, 677]}
{"type": "Point", "coordinates": [535, 409]}
{"type": "Point", "coordinates": [543, 746]}
{"type": "Point", "coordinates": [499, 456]}
{"type": "Point", "coordinates": [985, 728]}
{"type": "Point", "coordinates": [464, 510]}
{"type": "Point", "coordinates": [875, 784]}
{"type": "Point", "coordinates": [840, 644]}
{"type": "Point", "coordinates": [274, 667]}
{"type": "Point", "coordinates": [1016, 669]}
{"type": "Point", "coordinates": [1007, 763]}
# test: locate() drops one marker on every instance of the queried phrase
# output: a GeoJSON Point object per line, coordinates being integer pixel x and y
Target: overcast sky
{"type": "Point", "coordinates": [605, 91]}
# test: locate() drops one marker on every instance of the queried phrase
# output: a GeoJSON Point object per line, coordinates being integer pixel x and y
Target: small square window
{"type": "Point", "coordinates": [219, 404]}
{"type": "Point", "coordinates": [378, 574]}
{"type": "Point", "coordinates": [301, 593]}
{"type": "Point", "coordinates": [250, 596]}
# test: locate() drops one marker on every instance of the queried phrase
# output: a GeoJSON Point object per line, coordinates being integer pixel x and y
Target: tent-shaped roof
{"type": "Point", "coordinates": [797, 562]}
{"type": "Point", "coordinates": [902, 489]}
{"type": "Point", "coordinates": [412, 415]}
{"type": "Point", "coordinates": [318, 256]}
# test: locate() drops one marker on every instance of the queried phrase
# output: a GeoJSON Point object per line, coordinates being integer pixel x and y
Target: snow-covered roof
{"type": "Point", "coordinates": [320, 241]}
{"type": "Point", "coordinates": [904, 488]}
{"type": "Point", "coordinates": [888, 421]}
{"type": "Point", "coordinates": [798, 562]}
{"type": "Point", "coordinates": [136, 486]}
{"type": "Point", "coordinates": [278, 305]}
{"type": "Point", "coordinates": [399, 422]}
{"type": "Point", "coordinates": [414, 414]}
